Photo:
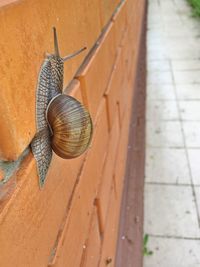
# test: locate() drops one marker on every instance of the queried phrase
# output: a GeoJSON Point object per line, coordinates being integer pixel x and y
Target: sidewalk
{"type": "Point", "coordinates": [172, 183]}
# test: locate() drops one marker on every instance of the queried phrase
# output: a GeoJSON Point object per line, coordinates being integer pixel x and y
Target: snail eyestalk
{"type": "Point", "coordinates": [57, 49]}
{"type": "Point", "coordinates": [74, 54]}
{"type": "Point", "coordinates": [56, 43]}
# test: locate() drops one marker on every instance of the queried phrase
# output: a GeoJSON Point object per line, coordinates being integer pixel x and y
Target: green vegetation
{"type": "Point", "coordinates": [196, 7]}
{"type": "Point", "coordinates": [146, 251]}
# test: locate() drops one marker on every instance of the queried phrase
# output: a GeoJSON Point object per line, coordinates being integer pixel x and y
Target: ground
{"type": "Point", "coordinates": [172, 173]}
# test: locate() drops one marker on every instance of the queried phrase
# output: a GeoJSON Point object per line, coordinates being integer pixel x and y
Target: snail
{"type": "Point", "coordinates": [64, 125]}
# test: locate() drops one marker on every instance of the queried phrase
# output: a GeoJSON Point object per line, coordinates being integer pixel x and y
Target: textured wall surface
{"type": "Point", "coordinates": [73, 221]}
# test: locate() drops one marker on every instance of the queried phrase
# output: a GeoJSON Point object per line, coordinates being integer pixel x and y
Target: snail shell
{"type": "Point", "coordinates": [71, 126]}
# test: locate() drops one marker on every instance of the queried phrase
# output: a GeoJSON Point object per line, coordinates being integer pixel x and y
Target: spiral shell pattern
{"type": "Point", "coordinates": [71, 126]}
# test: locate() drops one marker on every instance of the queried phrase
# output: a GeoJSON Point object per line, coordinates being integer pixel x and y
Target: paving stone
{"type": "Point", "coordinates": [187, 53]}
{"type": "Point", "coordinates": [173, 253]}
{"type": "Point", "coordinates": [161, 91]}
{"type": "Point", "coordinates": [177, 31]}
{"type": "Point", "coordinates": [192, 134]}
{"type": "Point", "coordinates": [194, 156]}
{"type": "Point", "coordinates": [167, 166]}
{"type": "Point", "coordinates": [190, 110]}
{"type": "Point", "coordinates": [162, 110]}
{"type": "Point", "coordinates": [164, 134]}
{"type": "Point", "coordinates": [186, 65]}
{"type": "Point", "coordinates": [156, 54]}
{"type": "Point", "coordinates": [187, 76]}
{"type": "Point", "coordinates": [197, 192]}
{"type": "Point", "coordinates": [170, 211]}
{"type": "Point", "coordinates": [188, 91]}
{"type": "Point", "coordinates": [159, 65]}
{"type": "Point", "coordinates": [159, 77]}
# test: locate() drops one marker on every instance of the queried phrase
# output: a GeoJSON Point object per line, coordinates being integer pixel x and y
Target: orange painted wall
{"type": "Point", "coordinates": [73, 220]}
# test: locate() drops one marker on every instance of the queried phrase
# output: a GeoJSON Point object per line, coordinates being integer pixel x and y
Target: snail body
{"type": "Point", "coordinates": [63, 124]}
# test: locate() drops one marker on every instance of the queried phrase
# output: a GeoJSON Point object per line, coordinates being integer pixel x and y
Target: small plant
{"type": "Point", "coordinates": [146, 251]}
{"type": "Point", "coordinates": [196, 7]}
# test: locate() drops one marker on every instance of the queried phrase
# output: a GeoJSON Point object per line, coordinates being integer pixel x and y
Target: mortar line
{"type": "Point", "coordinates": [172, 147]}
{"type": "Point", "coordinates": [174, 237]}
{"type": "Point", "coordinates": [167, 58]}
{"type": "Point", "coordinates": [169, 184]}
{"type": "Point", "coordinates": [174, 100]}
{"type": "Point", "coordinates": [172, 120]}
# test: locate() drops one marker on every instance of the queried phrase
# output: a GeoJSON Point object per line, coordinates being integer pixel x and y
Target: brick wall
{"type": "Point", "coordinates": [73, 221]}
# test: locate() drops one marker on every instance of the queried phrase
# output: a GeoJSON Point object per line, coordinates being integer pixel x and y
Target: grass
{"type": "Point", "coordinates": [146, 251]}
{"type": "Point", "coordinates": [196, 7]}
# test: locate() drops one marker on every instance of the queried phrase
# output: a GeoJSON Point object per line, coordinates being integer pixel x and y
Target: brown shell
{"type": "Point", "coordinates": [71, 126]}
